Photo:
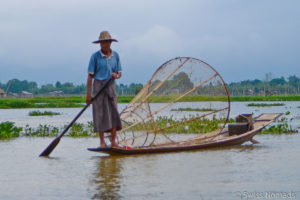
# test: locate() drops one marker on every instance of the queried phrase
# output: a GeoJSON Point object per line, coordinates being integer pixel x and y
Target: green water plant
{"type": "Point", "coordinates": [9, 130]}
{"type": "Point", "coordinates": [194, 109]}
{"type": "Point", "coordinates": [165, 125]}
{"type": "Point", "coordinates": [79, 101]}
{"type": "Point", "coordinates": [79, 130]}
{"type": "Point", "coordinates": [39, 113]}
{"type": "Point", "coordinates": [278, 129]}
{"type": "Point", "coordinates": [264, 104]}
{"type": "Point", "coordinates": [266, 98]}
{"type": "Point", "coordinates": [41, 131]}
{"type": "Point", "coordinates": [282, 125]}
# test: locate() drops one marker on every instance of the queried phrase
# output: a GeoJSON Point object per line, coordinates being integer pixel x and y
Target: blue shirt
{"type": "Point", "coordinates": [102, 67]}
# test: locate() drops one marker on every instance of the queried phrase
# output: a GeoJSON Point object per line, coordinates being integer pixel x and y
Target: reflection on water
{"type": "Point", "coordinates": [107, 178]}
{"type": "Point", "coordinates": [219, 173]}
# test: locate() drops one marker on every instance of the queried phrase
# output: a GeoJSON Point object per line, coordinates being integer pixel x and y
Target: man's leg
{"type": "Point", "coordinates": [113, 137]}
{"type": "Point", "coordinates": [102, 141]}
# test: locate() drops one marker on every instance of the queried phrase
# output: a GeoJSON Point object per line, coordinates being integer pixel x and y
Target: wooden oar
{"type": "Point", "coordinates": [53, 144]}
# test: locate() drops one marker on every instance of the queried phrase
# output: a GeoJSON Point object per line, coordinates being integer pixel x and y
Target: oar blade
{"type": "Point", "coordinates": [50, 148]}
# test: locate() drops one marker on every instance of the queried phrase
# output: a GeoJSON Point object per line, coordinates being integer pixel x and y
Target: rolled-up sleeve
{"type": "Point", "coordinates": [92, 65]}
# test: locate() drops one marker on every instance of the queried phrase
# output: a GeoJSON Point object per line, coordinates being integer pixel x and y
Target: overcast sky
{"type": "Point", "coordinates": [49, 41]}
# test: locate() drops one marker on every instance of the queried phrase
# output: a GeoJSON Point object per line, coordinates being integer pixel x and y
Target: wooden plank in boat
{"type": "Point", "coordinates": [268, 116]}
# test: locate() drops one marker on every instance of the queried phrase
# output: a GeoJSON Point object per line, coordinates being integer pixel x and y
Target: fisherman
{"type": "Point", "coordinates": [104, 64]}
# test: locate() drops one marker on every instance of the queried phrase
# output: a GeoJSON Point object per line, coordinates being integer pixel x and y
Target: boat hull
{"type": "Point", "coordinates": [219, 141]}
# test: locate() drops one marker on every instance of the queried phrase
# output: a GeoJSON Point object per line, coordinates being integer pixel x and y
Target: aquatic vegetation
{"type": "Point", "coordinates": [196, 126]}
{"type": "Point", "coordinates": [266, 98]}
{"type": "Point", "coordinates": [162, 99]}
{"type": "Point", "coordinates": [79, 130]}
{"type": "Point", "coordinates": [14, 103]}
{"type": "Point", "coordinates": [41, 131]}
{"type": "Point", "coordinates": [278, 129]}
{"type": "Point", "coordinates": [79, 101]}
{"type": "Point", "coordinates": [124, 99]}
{"type": "Point", "coordinates": [283, 125]}
{"type": "Point", "coordinates": [39, 113]}
{"type": "Point", "coordinates": [39, 102]}
{"type": "Point", "coordinates": [9, 130]}
{"type": "Point", "coordinates": [194, 109]}
{"type": "Point", "coordinates": [50, 102]}
{"type": "Point", "coordinates": [264, 104]}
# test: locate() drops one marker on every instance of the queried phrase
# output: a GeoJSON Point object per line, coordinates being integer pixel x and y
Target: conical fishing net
{"type": "Point", "coordinates": [184, 97]}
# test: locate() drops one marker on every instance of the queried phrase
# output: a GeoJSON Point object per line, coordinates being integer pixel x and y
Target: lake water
{"type": "Point", "coordinates": [269, 170]}
{"type": "Point", "coordinates": [72, 172]}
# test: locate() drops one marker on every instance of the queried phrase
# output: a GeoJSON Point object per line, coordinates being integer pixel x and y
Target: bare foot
{"type": "Point", "coordinates": [102, 146]}
{"type": "Point", "coordinates": [115, 145]}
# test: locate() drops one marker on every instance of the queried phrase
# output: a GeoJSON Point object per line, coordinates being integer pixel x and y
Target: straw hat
{"type": "Point", "coordinates": [105, 36]}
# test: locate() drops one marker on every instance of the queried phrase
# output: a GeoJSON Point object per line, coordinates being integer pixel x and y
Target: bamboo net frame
{"type": "Point", "coordinates": [183, 76]}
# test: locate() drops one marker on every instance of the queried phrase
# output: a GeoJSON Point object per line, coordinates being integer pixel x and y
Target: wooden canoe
{"type": "Point", "coordinates": [213, 139]}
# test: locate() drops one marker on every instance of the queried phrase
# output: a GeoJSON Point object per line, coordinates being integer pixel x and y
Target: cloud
{"type": "Point", "coordinates": [157, 41]}
{"type": "Point", "coordinates": [142, 53]}
{"type": "Point", "coordinates": [232, 36]}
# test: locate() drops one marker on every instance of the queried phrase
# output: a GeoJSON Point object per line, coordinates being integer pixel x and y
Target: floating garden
{"type": "Point", "coordinates": [264, 104]}
{"type": "Point", "coordinates": [194, 109]}
{"type": "Point", "coordinates": [39, 113]}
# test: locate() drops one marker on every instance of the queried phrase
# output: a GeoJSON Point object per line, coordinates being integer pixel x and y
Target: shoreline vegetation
{"type": "Point", "coordinates": [79, 101]}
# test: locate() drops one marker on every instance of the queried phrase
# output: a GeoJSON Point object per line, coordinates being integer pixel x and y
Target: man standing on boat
{"type": "Point", "coordinates": [103, 65]}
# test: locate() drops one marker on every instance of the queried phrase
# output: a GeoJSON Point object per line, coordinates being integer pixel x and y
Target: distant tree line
{"type": "Point", "coordinates": [180, 83]}
{"type": "Point", "coordinates": [16, 86]}
{"type": "Point", "coordinates": [269, 86]}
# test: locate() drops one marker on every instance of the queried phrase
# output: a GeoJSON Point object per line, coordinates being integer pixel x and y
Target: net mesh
{"type": "Point", "coordinates": [160, 110]}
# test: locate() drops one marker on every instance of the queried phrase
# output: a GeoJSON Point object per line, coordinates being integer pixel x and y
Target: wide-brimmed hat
{"type": "Point", "coordinates": [105, 36]}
